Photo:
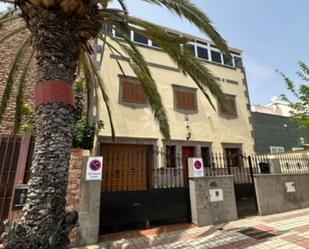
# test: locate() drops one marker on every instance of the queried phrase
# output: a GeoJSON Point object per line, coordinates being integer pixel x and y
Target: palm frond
{"type": "Point", "coordinates": [140, 68]}
{"type": "Point", "coordinates": [7, 18]}
{"type": "Point", "coordinates": [186, 9]}
{"type": "Point", "coordinates": [100, 82]}
{"type": "Point", "coordinates": [12, 33]}
{"type": "Point", "coordinates": [13, 70]}
{"type": "Point", "coordinates": [20, 94]}
{"type": "Point", "coordinates": [89, 83]}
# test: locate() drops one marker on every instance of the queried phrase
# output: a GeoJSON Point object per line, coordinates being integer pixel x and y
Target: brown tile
{"type": "Point", "coordinates": [293, 238]}
{"type": "Point", "coordinates": [301, 229]}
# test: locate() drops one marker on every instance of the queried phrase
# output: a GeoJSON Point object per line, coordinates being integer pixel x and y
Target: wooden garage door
{"type": "Point", "coordinates": [125, 167]}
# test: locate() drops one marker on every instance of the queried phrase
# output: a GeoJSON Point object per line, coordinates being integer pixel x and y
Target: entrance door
{"type": "Point", "coordinates": [233, 157]}
{"type": "Point", "coordinates": [124, 167]}
{"type": "Point", "coordinates": [187, 151]}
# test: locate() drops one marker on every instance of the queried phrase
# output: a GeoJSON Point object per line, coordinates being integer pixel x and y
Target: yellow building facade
{"type": "Point", "coordinates": [196, 128]}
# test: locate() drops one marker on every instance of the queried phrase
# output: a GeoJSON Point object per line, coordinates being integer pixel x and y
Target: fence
{"type": "Point", "coordinates": [293, 164]}
{"type": "Point", "coordinates": [15, 160]}
{"type": "Point", "coordinates": [9, 152]}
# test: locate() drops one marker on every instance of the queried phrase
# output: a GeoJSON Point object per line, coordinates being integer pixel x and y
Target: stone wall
{"type": "Point", "coordinates": [207, 207]}
{"type": "Point", "coordinates": [74, 187]}
{"type": "Point", "coordinates": [280, 193]}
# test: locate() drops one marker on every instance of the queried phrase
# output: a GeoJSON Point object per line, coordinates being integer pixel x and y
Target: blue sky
{"type": "Point", "coordinates": [273, 35]}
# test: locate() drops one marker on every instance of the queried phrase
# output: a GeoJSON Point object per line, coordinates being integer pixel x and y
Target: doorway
{"type": "Point", "coordinates": [187, 152]}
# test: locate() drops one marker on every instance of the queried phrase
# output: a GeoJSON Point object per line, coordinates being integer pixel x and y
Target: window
{"type": "Point", "coordinates": [185, 98]}
{"type": "Point", "coordinates": [155, 45]}
{"type": "Point", "coordinates": [170, 156]}
{"type": "Point", "coordinates": [131, 91]}
{"type": "Point", "coordinates": [190, 48]}
{"type": "Point", "coordinates": [119, 33]}
{"type": "Point", "coordinates": [202, 53]}
{"type": "Point", "coordinates": [108, 28]}
{"type": "Point", "coordinates": [228, 61]}
{"type": "Point", "coordinates": [276, 149]}
{"type": "Point", "coordinates": [216, 56]}
{"type": "Point", "coordinates": [230, 106]}
{"type": "Point", "coordinates": [205, 153]}
{"type": "Point", "coordinates": [140, 38]}
{"type": "Point", "coordinates": [238, 62]}
{"type": "Point", "coordinates": [297, 148]}
{"type": "Point", "coordinates": [233, 157]}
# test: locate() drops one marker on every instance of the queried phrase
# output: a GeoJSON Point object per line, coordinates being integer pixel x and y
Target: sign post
{"type": "Point", "coordinates": [196, 167]}
{"type": "Point", "coordinates": [94, 169]}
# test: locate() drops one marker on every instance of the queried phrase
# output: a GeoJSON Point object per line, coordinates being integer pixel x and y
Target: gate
{"type": "Point", "coordinates": [137, 195]}
{"type": "Point", "coordinates": [243, 168]}
{"type": "Point", "coordinates": [9, 152]}
{"type": "Point", "coordinates": [15, 161]}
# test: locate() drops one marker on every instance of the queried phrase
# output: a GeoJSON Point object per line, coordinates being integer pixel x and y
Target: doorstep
{"type": "Point", "coordinates": [145, 232]}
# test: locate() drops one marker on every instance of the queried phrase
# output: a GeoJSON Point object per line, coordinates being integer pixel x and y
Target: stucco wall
{"type": "Point", "coordinates": [272, 194]}
{"type": "Point", "coordinates": [206, 125]}
{"type": "Point", "coordinates": [204, 211]}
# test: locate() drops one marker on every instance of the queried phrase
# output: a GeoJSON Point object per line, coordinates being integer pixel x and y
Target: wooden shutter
{"type": "Point", "coordinates": [190, 101]}
{"type": "Point", "coordinates": [132, 92]}
{"type": "Point", "coordinates": [230, 108]}
{"type": "Point", "coordinates": [139, 97]}
{"type": "Point", "coordinates": [127, 91]}
{"type": "Point", "coordinates": [185, 100]}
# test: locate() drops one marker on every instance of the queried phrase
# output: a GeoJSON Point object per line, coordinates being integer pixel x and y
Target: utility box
{"type": "Point", "coordinates": [290, 187]}
{"type": "Point", "coordinates": [215, 195]}
{"type": "Point", "coordinates": [196, 167]}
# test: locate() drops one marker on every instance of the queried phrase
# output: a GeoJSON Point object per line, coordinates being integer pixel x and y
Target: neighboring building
{"type": "Point", "coordinates": [274, 131]}
{"type": "Point", "coordinates": [276, 107]}
{"type": "Point", "coordinates": [196, 129]}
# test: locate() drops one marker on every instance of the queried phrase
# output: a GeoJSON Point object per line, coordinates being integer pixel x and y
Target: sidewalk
{"type": "Point", "coordinates": [285, 231]}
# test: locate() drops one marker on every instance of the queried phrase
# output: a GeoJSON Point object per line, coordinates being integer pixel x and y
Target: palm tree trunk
{"type": "Point", "coordinates": [45, 222]}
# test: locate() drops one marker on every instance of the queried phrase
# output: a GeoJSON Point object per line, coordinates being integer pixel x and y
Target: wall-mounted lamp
{"type": "Point", "coordinates": [187, 125]}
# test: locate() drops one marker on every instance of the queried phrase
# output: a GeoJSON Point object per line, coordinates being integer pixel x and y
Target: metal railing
{"type": "Point", "coordinates": [293, 164]}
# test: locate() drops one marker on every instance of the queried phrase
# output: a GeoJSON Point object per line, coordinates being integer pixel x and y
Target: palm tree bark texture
{"type": "Point", "coordinates": [45, 223]}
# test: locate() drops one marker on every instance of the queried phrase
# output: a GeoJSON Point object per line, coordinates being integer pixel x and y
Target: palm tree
{"type": "Point", "coordinates": [60, 32]}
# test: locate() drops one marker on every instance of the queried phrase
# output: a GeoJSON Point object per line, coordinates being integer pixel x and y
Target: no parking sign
{"type": "Point", "coordinates": [94, 168]}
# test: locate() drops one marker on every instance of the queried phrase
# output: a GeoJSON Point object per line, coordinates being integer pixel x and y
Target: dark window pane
{"type": "Point", "coordinates": [233, 157]}
{"type": "Point", "coordinates": [140, 38]}
{"type": "Point", "coordinates": [238, 62]}
{"type": "Point", "coordinates": [228, 61]}
{"type": "Point", "coordinates": [202, 53]}
{"type": "Point", "coordinates": [216, 56]}
{"type": "Point", "coordinates": [206, 156]}
{"type": "Point", "coordinates": [170, 156]}
{"type": "Point", "coordinates": [119, 33]}
{"type": "Point", "coordinates": [155, 44]}
{"type": "Point", "coordinates": [190, 48]}
{"type": "Point", "coordinates": [108, 29]}
{"type": "Point", "coordinates": [202, 43]}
